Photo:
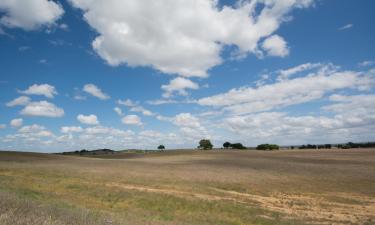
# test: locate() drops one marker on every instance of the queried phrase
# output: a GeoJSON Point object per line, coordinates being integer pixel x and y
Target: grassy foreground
{"type": "Point", "coordinates": [190, 187]}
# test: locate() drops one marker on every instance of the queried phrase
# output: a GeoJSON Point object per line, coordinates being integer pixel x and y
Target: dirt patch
{"type": "Point", "coordinates": [314, 208]}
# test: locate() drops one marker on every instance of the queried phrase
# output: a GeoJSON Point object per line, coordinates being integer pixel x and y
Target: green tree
{"type": "Point", "coordinates": [205, 144]}
{"type": "Point", "coordinates": [161, 147]}
{"type": "Point", "coordinates": [226, 144]}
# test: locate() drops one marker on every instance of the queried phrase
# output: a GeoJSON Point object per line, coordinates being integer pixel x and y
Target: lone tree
{"type": "Point", "coordinates": [161, 147]}
{"type": "Point", "coordinates": [205, 144]}
{"type": "Point", "coordinates": [226, 145]}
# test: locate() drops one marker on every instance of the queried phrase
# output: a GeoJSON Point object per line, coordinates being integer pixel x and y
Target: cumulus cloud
{"type": "Point", "coordinates": [276, 46]}
{"type": "Point", "coordinates": [181, 37]}
{"type": "Point", "coordinates": [95, 91]}
{"type": "Point", "coordinates": [89, 119]}
{"type": "Point", "coordinates": [16, 122]}
{"type": "Point", "coordinates": [22, 100]}
{"type": "Point", "coordinates": [71, 129]}
{"type": "Point", "coordinates": [178, 85]}
{"type": "Point", "coordinates": [289, 92]}
{"type": "Point", "coordinates": [131, 120]}
{"type": "Point", "coordinates": [47, 90]}
{"type": "Point", "coordinates": [42, 108]}
{"type": "Point", "coordinates": [30, 14]}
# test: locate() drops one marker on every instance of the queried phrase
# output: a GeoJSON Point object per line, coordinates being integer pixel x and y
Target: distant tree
{"type": "Point", "coordinates": [226, 144]}
{"type": "Point", "coordinates": [267, 147]}
{"type": "Point", "coordinates": [161, 147]}
{"type": "Point", "coordinates": [237, 146]}
{"type": "Point", "coordinates": [205, 144]}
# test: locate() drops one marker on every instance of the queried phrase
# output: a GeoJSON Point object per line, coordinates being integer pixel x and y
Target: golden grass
{"type": "Point", "coordinates": [189, 187]}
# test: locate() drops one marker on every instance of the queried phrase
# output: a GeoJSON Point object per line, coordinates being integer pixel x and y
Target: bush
{"type": "Point", "coordinates": [267, 147]}
{"type": "Point", "coordinates": [237, 146]}
{"type": "Point", "coordinates": [205, 144]}
{"type": "Point", "coordinates": [161, 147]}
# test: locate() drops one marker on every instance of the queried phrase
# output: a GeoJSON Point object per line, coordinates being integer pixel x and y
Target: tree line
{"type": "Point", "coordinates": [205, 144]}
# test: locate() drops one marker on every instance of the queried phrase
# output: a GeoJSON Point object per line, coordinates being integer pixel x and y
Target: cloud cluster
{"type": "Point", "coordinates": [30, 14]}
{"type": "Point", "coordinates": [184, 37]}
{"type": "Point", "coordinates": [289, 91]}
{"type": "Point", "coordinates": [354, 118]}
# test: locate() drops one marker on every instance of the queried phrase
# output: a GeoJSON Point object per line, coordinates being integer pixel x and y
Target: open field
{"type": "Point", "coordinates": [190, 187]}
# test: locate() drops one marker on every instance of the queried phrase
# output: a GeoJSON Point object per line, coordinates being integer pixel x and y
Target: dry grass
{"type": "Point", "coordinates": [190, 187]}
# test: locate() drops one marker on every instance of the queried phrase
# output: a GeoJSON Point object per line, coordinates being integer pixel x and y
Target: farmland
{"type": "Point", "coordinates": [189, 187]}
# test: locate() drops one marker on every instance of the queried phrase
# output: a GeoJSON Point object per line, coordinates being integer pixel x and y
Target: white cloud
{"type": "Point", "coordinates": [35, 130]}
{"type": "Point", "coordinates": [345, 27]}
{"type": "Point", "coordinates": [142, 110]}
{"type": "Point", "coordinates": [42, 108]}
{"type": "Point", "coordinates": [95, 91]}
{"type": "Point", "coordinates": [79, 97]}
{"type": "Point", "coordinates": [64, 26]}
{"type": "Point", "coordinates": [179, 85]}
{"type": "Point", "coordinates": [72, 129]}
{"type": "Point", "coordinates": [89, 119]}
{"type": "Point", "coordinates": [3, 126]}
{"type": "Point", "coordinates": [135, 107]}
{"type": "Point", "coordinates": [126, 102]}
{"type": "Point", "coordinates": [22, 100]}
{"type": "Point", "coordinates": [16, 122]}
{"type": "Point", "coordinates": [181, 37]}
{"type": "Point", "coordinates": [131, 120]}
{"type": "Point", "coordinates": [40, 89]}
{"type": "Point", "coordinates": [190, 126]}
{"type": "Point", "coordinates": [276, 46]}
{"type": "Point", "coordinates": [186, 120]}
{"type": "Point", "coordinates": [118, 111]}
{"type": "Point", "coordinates": [289, 92]}
{"type": "Point", "coordinates": [367, 63]}
{"type": "Point", "coordinates": [285, 74]}
{"type": "Point", "coordinates": [30, 14]}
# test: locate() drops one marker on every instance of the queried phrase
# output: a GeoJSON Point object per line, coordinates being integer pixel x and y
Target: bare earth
{"type": "Point", "coordinates": [190, 187]}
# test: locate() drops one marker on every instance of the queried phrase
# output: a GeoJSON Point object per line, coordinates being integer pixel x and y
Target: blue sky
{"type": "Point", "coordinates": [133, 74]}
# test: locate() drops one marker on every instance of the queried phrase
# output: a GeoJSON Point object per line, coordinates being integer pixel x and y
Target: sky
{"type": "Point", "coordinates": [120, 74]}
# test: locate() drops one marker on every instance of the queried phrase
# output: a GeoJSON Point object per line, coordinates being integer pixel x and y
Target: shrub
{"type": "Point", "coordinates": [237, 146]}
{"type": "Point", "coordinates": [267, 147]}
